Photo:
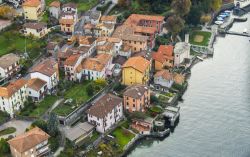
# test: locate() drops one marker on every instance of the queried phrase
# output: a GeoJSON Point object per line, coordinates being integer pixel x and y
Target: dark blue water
{"type": "Point", "coordinates": [215, 113]}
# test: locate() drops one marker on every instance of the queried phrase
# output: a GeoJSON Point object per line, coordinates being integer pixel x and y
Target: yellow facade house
{"type": "Point", "coordinates": [135, 71]}
{"type": "Point", "coordinates": [32, 9]}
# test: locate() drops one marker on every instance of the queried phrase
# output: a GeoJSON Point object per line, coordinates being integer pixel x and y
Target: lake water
{"type": "Point", "coordinates": [215, 113]}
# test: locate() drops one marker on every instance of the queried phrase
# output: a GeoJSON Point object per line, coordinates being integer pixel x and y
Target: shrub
{"type": "Point", "coordinates": [4, 147]}
{"type": "Point", "coordinates": [90, 89]}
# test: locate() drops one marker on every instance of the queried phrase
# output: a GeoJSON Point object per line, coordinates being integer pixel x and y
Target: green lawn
{"type": "Point", "coordinates": [194, 38]}
{"type": "Point", "coordinates": [3, 116]}
{"type": "Point", "coordinates": [122, 136]}
{"type": "Point", "coordinates": [7, 131]}
{"type": "Point", "coordinates": [37, 110]}
{"type": "Point", "coordinates": [85, 5]}
{"type": "Point", "coordinates": [11, 41]}
{"type": "Point", "coordinates": [79, 95]}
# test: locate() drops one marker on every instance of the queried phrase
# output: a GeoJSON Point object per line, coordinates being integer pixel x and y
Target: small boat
{"type": "Point", "coordinates": [220, 19]}
{"type": "Point", "coordinates": [223, 16]}
{"type": "Point", "coordinates": [245, 31]}
{"type": "Point", "coordinates": [218, 22]}
{"type": "Point", "coordinates": [227, 11]}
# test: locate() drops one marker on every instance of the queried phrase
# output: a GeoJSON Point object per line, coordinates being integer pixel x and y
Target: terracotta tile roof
{"type": "Point", "coordinates": [86, 40]}
{"type": "Point", "coordinates": [12, 88]}
{"type": "Point", "coordinates": [71, 61]}
{"type": "Point", "coordinates": [95, 64]}
{"type": "Point", "coordinates": [144, 53]}
{"type": "Point", "coordinates": [55, 4]}
{"type": "Point", "coordinates": [165, 74]}
{"type": "Point", "coordinates": [71, 5]}
{"type": "Point", "coordinates": [36, 84]}
{"type": "Point", "coordinates": [29, 139]}
{"type": "Point", "coordinates": [108, 18]}
{"type": "Point", "coordinates": [134, 19]}
{"type": "Point", "coordinates": [106, 47]}
{"type": "Point", "coordinates": [8, 59]}
{"type": "Point", "coordinates": [125, 32]}
{"type": "Point", "coordinates": [32, 3]}
{"type": "Point", "coordinates": [104, 105]}
{"type": "Point", "coordinates": [109, 39]}
{"type": "Point", "coordinates": [138, 63]}
{"type": "Point", "coordinates": [165, 52]}
{"type": "Point", "coordinates": [105, 25]}
{"type": "Point", "coordinates": [136, 91]}
{"type": "Point", "coordinates": [47, 67]}
{"type": "Point", "coordinates": [141, 29]}
{"type": "Point", "coordinates": [35, 25]}
{"type": "Point", "coordinates": [66, 21]}
{"type": "Point", "coordinates": [89, 26]}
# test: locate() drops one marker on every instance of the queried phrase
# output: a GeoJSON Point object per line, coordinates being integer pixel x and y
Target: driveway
{"type": "Point", "coordinates": [20, 126]}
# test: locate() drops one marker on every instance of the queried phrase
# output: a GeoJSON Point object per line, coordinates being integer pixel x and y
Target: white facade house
{"type": "Point", "coordinates": [92, 17]}
{"type": "Point", "coordinates": [106, 112]}
{"type": "Point", "coordinates": [181, 52]}
{"type": "Point", "coordinates": [47, 71]}
{"type": "Point", "coordinates": [9, 65]}
{"type": "Point", "coordinates": [55, 9]}
{"type": "Point", "coordinates": [94, 68]}
{"type": "Point", "coordinates": [38, 30]}
{"type": "Point", "coordinates": [13, 96]}
{"type": "Point", "coordinates": [36, 89]}
{"type": "Point", "coordinates": [118, 44]}
{"type": "Point", "coordinates": [163, 80]}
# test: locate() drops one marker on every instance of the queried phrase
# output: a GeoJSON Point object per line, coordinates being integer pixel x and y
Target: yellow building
{"type": "Point", "coordinates": [135, 71]}
{"type": "Point", "coordinates": [32, 9]}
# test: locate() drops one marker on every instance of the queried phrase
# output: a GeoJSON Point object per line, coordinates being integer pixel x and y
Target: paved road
{"type": "Point", "coordinates": [20, 126]}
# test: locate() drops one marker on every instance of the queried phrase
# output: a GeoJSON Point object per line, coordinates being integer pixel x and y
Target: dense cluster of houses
{"type": "Point", "coordinates": [102, 51]}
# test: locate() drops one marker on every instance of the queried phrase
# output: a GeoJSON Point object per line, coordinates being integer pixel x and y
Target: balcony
{"type": "Point", "coordinates": [43, 150]}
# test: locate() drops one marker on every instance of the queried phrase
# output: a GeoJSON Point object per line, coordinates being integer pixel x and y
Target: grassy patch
{"type": "Point", "coordinates": [78, 93]}
{"type": "Point", "coordinates": [12, 40]}
{"type": "Point", "coordinates": [3, 116]}
{"type": "Point", "coordinates": [156, 109]}
{"type": "Point", "coordinates": [7, 131]}
{"type": "Point", "coordinates": [200, 38]}
{"type": "Point", "coordinates": [43, 106]}
{"type": "Point", "coordinates": [122, 136]}
{"type": "Point", "coordinates": [37, 110]}
{"type": "Point", "coordinates": [85, 5]}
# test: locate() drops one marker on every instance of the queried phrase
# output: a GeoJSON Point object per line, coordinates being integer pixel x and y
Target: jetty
{"type": "Point", "coordinates": [172, 113]}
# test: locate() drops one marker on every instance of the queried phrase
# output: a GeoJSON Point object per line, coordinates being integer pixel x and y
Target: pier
{"type": "Point", "coordinates": [172, 114]}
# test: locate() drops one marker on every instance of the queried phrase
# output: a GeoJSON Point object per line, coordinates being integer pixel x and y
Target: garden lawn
{"type": "Point", "coordinates": [12, 41]}
{"type": "Point", "coordinates": [7, 131]}
{"type": "Point", "coordinates": [43, 106]}
{"type": "Point", "coordinates": [78, 93]}
{"type": "Point", "coordinates": [122, 136]}
{"type": "Point", "coordinates": [200, 38]}
{"type": "Point", "coordinates": [3, 116]}
{"type": "Point", "coordinates": [85, 5]}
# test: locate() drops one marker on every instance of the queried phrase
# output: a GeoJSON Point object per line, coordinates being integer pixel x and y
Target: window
{"type": "Point", "coordinates": [133, 100]}
{"type": "Point", "coordinates": [134, 105]}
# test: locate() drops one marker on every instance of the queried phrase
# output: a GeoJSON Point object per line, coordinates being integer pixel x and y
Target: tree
{"type": "Point", "coordinates": [90, 90]}
{"type": "Point", "coordinates": [194, 16]}
{"type": "Point", "coordinates": [53, 124]}
{"type": "Point", "coordinates": [174, 24]}
{"type": "Point", "coordinates": [6, 12]}
{"type": "Point", "coordinates": [216, 4]}
{"type": "Point", "coordinates": [181, 7]}
{"type": "Point", "coordinates": [4, 147]}
{"type": "Point", "coordinates": [41, 124]}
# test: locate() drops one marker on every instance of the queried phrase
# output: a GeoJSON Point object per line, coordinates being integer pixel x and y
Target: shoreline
{"type": "Point", "coordinates": [180, 94]}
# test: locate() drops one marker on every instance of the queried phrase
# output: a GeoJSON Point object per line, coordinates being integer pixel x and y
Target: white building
{"type": "Point", "coordinates": [94, 68]}
{"type": "Point", "coordinates": [36, 89]}
{"type": "Point", "coordinates": [181, 52]}
{"type": "Point", "coordinates": [47, 71]}
{"type": "Point", "coordinates": [92, 17]}
{"type": "Point", "coordinates": [55, 9]}
{"type": "Point", "coordinates": [13, 96]}
{"type": "Point", "coordinates": [163, 80]}
{"type": "Point", "coordinates": [118, 44]}
{"type": "Point", "coordinates": [106, 112]}
{"type": "Point", "coordinates": [9, 65]}
{"type": "Point", "coordinates": [38, 30]}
